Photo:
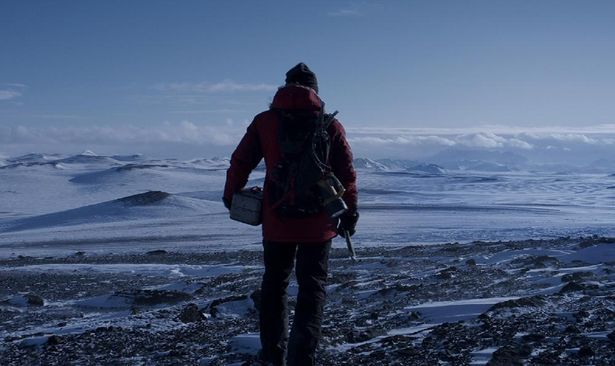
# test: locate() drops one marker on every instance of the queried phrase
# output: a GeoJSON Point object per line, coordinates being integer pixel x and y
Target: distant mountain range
{"type": "Point", "coordinates": [440, 163]}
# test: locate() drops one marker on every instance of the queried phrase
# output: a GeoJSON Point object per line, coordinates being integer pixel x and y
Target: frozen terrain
{"type": "Point", "coordinates": [53, 204]}
{"type": "Point", "coordinates": [129, 260]}
{"type": "Point", "coordinates": [540, 302]}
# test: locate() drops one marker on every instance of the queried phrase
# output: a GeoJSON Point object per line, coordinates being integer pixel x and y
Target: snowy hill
{"type": "Point", "coordinates": [148, 205]}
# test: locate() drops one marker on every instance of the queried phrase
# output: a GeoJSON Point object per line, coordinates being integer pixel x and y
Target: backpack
{"type": "Point", "coordinates": [305, 146]}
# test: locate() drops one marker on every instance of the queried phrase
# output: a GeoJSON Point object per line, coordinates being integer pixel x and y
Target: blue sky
{"type": "Point", "coordinates": [195, 72]}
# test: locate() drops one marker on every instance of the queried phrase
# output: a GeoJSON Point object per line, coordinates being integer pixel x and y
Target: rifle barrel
{"type": "Point", "coordinates": [351, 252]}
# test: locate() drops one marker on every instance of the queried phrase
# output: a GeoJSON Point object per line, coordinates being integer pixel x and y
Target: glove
{"type": "Point", "coordinates": [227, 203]}
{"type": "Point", "coordinates": [348, 222]}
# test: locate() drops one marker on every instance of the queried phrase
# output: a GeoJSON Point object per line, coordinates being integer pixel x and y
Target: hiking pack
{"type": "Point", "coordinates": [302, 183]}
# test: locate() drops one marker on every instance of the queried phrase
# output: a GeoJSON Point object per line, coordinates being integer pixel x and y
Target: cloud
{"type": "Point", "coordinates": [574, 137]}
{"type": "Point", "coordinates": [187, 132]}
{"type": "Point", "coordinates": [198, 139]}
{"type": "Point", "coordinates": [482, 140]}
{"type": "Point", "coordinates": [225, 86]}
{"type": "Point", "coordinates": [9, 94]}
{"type": "Point", "coordinates": [9, 91]}
{"type": "Point", "coordinates": [345, 12]}
{"type": "Point", "coordinates": [401, 140]}
{"type": "Point", "coordinates": [513, 142]}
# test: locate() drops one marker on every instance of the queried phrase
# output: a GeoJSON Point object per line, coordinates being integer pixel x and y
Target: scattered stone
{"type": "Point", "coordinates": [447, 273]}
{"type": "Point", "coordinates": [576, 276]}
{"type": "Point", "coordinates": [572, 286]}
{"type": "Point", "coordinates": [533, 337]}
{"type": "Point", "coordinates": [510, 355]}
{"type": "Point", "coordinates": [191, 314]}
{"type": "Point", "coordinates": [532, 301]}
{"type": "Point", "coordinates": [34, 299]}
{"type": "Point", "coordinates": [155, 297]}
{"type": "Point", "coordinates": [536, 261]}
{"type": "Point", "coordinates": [362, 335]}
{"type": "Point", "coordinates": [581, 314]}
{"type": "Point", "coordinates": [26, 299]}
{"type": "Point", "coordinates": [571, 329]}
{"type": "Point", "coordinates": [586, 351]}
{"type": "Point", "coordinates": [53, 340]}
{"type": "Point", "coordinates": [594, 240]}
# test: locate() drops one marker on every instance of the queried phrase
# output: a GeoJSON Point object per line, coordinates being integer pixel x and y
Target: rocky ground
{"type": "Point", "coordinates": [502, 303]}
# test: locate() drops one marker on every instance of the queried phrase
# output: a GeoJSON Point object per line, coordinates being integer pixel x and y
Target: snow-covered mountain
{"type": "Point", "coordinates": [390, 165]}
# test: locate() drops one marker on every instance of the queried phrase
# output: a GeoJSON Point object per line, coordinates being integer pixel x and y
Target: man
{"type": "Point", "coordinates": [293, 228]}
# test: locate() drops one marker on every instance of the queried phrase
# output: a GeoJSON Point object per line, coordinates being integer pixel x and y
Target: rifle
{"type": "Point", "coordinates": [351, 252]}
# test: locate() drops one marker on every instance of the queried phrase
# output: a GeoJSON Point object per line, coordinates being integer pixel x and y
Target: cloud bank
{"type": "Point", "coordinates": [194, 139]}
{"type": "Point", "coordinates": [225, 86]}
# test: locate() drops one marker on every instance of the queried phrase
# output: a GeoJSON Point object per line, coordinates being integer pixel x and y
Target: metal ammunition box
{"type": "Point", "coordinates": [247, 206]}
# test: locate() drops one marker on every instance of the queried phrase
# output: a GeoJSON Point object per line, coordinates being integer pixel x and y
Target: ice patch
{"type": "Point", "coordinates": [234, 309]}
{"type": "Point", "coordinates": [248, 343]}
{"type": "Point", "coordinates": [410, 330]}
{"type": "Point", "coordinates": [601, 253]}
{"type": "Point", "coordinates": [482, 356]}
{"type": "Point", "coordinates": [452, 311]}
{"type": "Point", "coordinates": [113, 301]}
{"type": "Point", "coordinates": [34, 341]}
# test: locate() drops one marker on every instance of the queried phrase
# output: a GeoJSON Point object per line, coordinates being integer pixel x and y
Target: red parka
{"type": "Point", "coordinates": [261, 141]}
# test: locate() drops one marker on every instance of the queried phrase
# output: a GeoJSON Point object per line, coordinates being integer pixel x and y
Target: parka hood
{"type": "Point", "coordinates": [297, 97]}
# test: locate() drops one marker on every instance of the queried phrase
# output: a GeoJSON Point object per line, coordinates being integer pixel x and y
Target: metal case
{"type": "Point", "coordinates": [247, 206]}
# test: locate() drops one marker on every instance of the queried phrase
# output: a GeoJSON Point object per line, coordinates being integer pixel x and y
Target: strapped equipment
{"type": "Point", "coordinates": [299, 179]}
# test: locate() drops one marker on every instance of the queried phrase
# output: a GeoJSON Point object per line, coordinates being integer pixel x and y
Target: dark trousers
{"type": "Point", "coordinates": [311, 270]}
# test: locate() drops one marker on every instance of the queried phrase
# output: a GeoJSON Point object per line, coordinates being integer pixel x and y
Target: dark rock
{"type": "Point", "coordinates": [611, 336]}
{"type": "Point", "coordinates": [571, 329]}
{"type": "Point", "coordinates": [447, 273]}
{"type": "Point", "coordinates": [191, 314]}
{"type": "Point", "coordinates": [594, 240]}
{"type": "Point", "coordinates": [533, 337]}
{"type": "Point", "coordinates": [157, 252]}
{"type": "Point", "coordinates": [532, 301]}
{"type": "Point", "coordinates": [79, 254]}
{"type": "Point", "coordinates": [572, 286]}
{"type": "Point", "coordinates": [581, 314]}
{"type": "Point", "coordinates": [576, 276]}
{"type": "Point", "coordinates": [536, 261]}
{"type": "Point", "coordinates": [155, 297]}
{"type": "Point", "coordinates": [34, 299]}
{"type": "Point", "coordinates": [362, 335]}
{"type": "Point", "coordinates": [586, 351]}
{"type": "Point", "coordinates": [510, 355]}
{"type": "Point", "coordinates": [471, 262]}
{"type": "Point", "coordinates": [53, 340]}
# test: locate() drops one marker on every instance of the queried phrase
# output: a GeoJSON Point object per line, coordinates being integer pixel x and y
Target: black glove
{"type": "Point", "coordinates": [348, 222]}
{"type": "Point", "coordinates": [227, 202]}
